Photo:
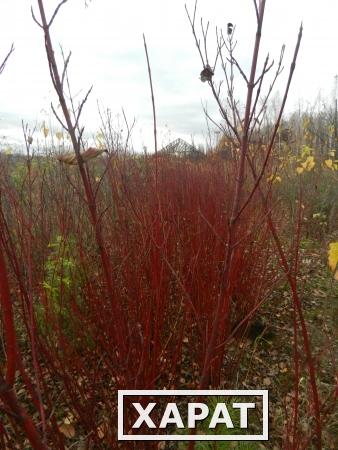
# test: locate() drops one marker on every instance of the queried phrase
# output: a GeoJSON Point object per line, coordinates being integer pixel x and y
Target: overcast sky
{"type": "Point", "coordinates": [107, 48]}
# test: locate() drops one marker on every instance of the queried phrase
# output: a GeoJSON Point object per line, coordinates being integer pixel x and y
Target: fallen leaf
{"type": "Point", "coordinates": [67, 429]}
{"type": "Point", "coordinates": [267, 381]}
{"type": "Point", "coordinates": [101, 431]}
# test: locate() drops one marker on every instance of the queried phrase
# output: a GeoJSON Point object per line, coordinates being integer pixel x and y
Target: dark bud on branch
{"type": "Point", "coordinates": [206, 74]}
{"type": "Point", "coordinates": [230, 28]}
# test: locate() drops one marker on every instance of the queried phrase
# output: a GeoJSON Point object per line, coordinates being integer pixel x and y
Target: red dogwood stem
{"type": "Point", "coordinates": [8, 322]}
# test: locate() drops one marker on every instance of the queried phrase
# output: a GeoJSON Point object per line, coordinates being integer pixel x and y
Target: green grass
{"type": "Point", "coordinates": [221, 429]}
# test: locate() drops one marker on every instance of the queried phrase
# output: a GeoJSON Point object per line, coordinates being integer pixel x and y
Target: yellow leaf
{"type": "Point", "coordinates": [333, 256]}
{"type": "Point", "coordinates": [329, 163]}
{"type": "Point", "coordinates": [309, 163]}
{"type": "Point", "coordinates": [299, 170]}
{"type": "Point", "coordinates": [67, 429]}
{"type": "Point", "coordinates": [59, 135]}
{"type": "Point", "coordinates": [274, 178]}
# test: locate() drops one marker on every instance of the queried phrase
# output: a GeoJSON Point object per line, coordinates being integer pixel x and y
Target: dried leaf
{"type": "Point", "coordinates": [101, 431]}
{"type": "Point", "coordinates": [67, 429]}
{"type": "Point", "coordinates": [91, 153]}
{"type": "Point", "coordinates": [67, 158]}
{"type": "Point", "coordinates": [267, 381]}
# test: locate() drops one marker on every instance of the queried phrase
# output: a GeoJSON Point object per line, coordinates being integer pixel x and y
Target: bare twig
{"type": "Point", "coordinates": [259, 177]}
{"type": "Point", "coordinates": [3, 64]}
{"type": "Point", "coordinates": [129, 130]}
{"type": "Point", "coordinates": [55, 12]}
{"type": "Point", "coordinates": [192, 23]}
{"type": "Point", "coordinates": [81, 106]}
{"type": "Point", "coordinates": [265, 70]}
{"type": "Point", "coordinates": [65, 67]}
{"type": "Point", "coordinates": [153, 105]}
{"type": "Point", "coordinates": [234, 61]}
{"type": "Point", "coordinates": [256, 9]}
{"type": "Point", "coordinates": [217, 125]}
{"type": "Point", "coordinates": [267, 96]}
{"type": "Point", "coordinates": [58, 117]}
{"type": "Point", "coordinates": [35, 19]}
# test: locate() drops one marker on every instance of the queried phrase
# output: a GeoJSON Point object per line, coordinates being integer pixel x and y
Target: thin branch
{"type": "Point", "coordinates": [58, 118]}
{"type": "Point", "coordinates": [195, 9]}
{"type": "Point", "coordinates": [223, 111]}
{"type": "Point", "coordinates": [65, 66]}
{"type": "Point", "coordinates": [278, 72]}
{"type": "Point", "coordinates": [129, 130]}
{"type": "Point", "coordinates": [273, 137]}
{"type": "Point", "coordinates": [260, 79]}
{"type": "Point", "coordinates": [79, 139]}
{"type": "Point", "coordinates": [219, 50]}
{"type": "Point", "coordinates": [265, 70]}
{"type": "Point", "coordinates": [3, 64]}
{"type": "Point", "coordinates": [205, 34]}
{"type": "Point", "coordinates": [153, 104]}
{"type": "Point", "coordinates": [256, 9]}
{"type": "Point", "coordinates": [192, 23]}
{"type": "Point", "coordinates": [230, 79]}
{"type": "Point", "coordinates": [234, 61]}
{"type": "Point", "coordinates": [220, 127]}
{"type": "Point", "coordinates": [81, 106]}
{"type": "Point", "coordinates": [35, 19]}
{"type": "Point", "coordinates": [56, 11]}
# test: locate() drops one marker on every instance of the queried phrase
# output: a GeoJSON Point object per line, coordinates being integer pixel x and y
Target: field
{"type": "Point", "coordinates": [198, 270]}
